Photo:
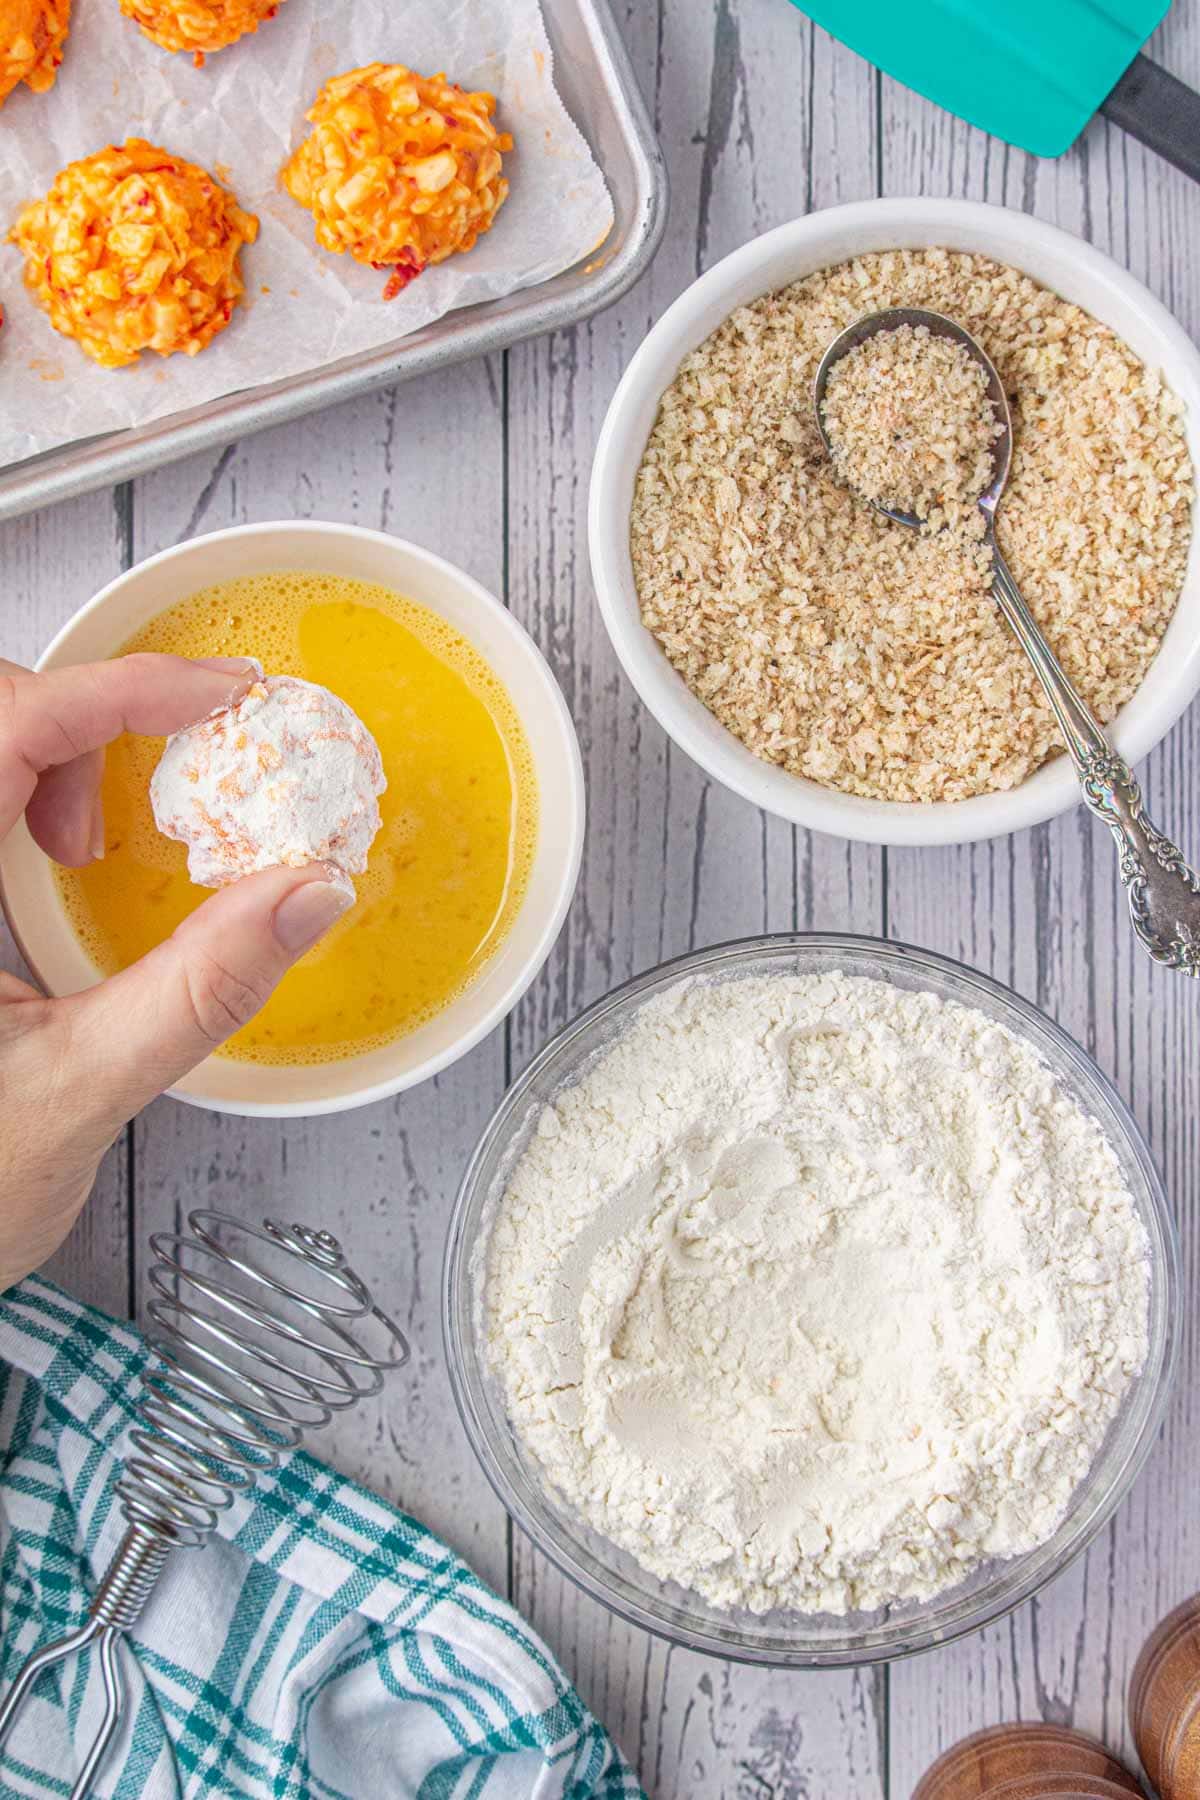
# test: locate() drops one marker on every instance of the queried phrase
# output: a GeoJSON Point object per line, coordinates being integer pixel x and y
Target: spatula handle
{"type": "Point", "coordinates": [1160, 111]}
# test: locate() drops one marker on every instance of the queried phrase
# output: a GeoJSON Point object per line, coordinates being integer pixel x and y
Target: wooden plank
{"type": "Point", "coordinates": [673, 861]}
{"type": "Point", "coordinates": [53, 561]}
{"type": "Point", "coordinates": [1043, 911]}
{"type": "Point", "coordinates": [382, 1178]}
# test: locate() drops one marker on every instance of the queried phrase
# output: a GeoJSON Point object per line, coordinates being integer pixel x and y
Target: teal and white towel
{"type": "Point", "coordinates": [324, 1647]}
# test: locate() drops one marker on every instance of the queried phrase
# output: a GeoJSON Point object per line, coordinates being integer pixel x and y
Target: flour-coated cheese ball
{"type": "Point", "coordinates": [290, 775]}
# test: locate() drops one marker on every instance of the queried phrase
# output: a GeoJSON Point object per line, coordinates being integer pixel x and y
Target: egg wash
{"type": "Point", "coordinates": [449, 868]}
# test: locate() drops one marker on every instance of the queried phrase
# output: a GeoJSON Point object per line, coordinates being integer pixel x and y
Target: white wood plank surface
{"type": "Point", "coordinates": [761, 116]}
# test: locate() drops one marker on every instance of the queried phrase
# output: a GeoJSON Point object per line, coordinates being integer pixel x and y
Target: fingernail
{"type": "Point", "coordinates": [307, 912]}
{"type": "Point", "coordinates": [96, 844]}
{"type": "Point", "coordinates": [246, 670]}
{"type": "Point", "coordinates": [231, 665]}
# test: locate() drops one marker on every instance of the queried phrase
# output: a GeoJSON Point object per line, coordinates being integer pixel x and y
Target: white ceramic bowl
{"type": "Point", "coordinates": [1053, 257]}
{"type": "Point", "coordinates": [100, 628]}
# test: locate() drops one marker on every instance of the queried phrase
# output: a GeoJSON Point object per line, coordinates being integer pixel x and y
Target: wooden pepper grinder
{"type": "Point", "coordinates": [1027, 1762]}
{"type": "Point", "coordinates": [1164, 1704]}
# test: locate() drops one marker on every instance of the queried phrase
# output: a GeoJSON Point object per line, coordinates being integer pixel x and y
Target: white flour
{"type": "Point", "coordinates": [815, 1293]}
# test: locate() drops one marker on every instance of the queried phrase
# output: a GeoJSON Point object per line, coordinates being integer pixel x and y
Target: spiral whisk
{"type": "Point", "coordinates": [250, 1354]}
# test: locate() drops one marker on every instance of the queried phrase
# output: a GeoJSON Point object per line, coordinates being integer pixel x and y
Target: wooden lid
{"type": "Point", "coordinates": [1027, 1762]}
{"type": "Point", "coordinates": [1062, 1787]}
{"type": "Point", "coordinates": [1164, 1704]}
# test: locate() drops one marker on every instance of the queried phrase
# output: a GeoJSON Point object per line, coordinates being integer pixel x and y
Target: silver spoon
{"type": "Point", "coordinates": [1164, 893]}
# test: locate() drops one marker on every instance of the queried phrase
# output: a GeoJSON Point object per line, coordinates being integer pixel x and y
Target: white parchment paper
{"type": "Point", "coordinates": [241, 116]}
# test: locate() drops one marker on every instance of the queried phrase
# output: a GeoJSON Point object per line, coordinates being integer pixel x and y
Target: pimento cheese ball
{"type": "Point", "coordinates": [290, 775]}
{"type": "Point", "coordinates": [32, 35]}
{"type": "Point", "coordinates": [135, 249]}
{"type": "Point", "coordinates": [200, 26]}
{"type": "Point", "coordinates": [402, 170]}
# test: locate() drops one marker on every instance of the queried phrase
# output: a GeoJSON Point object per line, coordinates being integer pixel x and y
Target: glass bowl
{"type": "Point", "coordinates": [790, 1639]}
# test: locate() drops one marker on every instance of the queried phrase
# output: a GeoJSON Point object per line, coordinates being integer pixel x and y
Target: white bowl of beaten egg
{"type": "Point", "coordinates": [790, 623]}
{"type": "Point", "coordinates": [470, 877]}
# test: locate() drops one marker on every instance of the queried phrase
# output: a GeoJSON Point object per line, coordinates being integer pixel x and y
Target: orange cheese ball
{"type": "Point", "coordinates": [198, 25]}
{"type": "Point", "coordinates": [135, 249]}
{"type": "Point", "coordinates": [32, 35]}
{"type": "Point", "coordinates": [401, 170]}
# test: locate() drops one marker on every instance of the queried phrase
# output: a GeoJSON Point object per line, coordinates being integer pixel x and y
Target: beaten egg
{"type": "Point", "coordinates": [450, 865]}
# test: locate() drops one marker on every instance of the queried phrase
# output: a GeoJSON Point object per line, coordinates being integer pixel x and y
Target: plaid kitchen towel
{"type": "Point", "coordinates": [323, 1645]}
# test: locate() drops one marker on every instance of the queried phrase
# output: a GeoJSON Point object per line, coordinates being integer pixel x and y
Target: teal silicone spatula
{"type": "Point", "coordinates": [1030, 71]}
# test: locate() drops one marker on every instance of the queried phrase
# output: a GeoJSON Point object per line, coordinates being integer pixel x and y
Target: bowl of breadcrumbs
{"type": "Point", "coordinates": [833, 667]}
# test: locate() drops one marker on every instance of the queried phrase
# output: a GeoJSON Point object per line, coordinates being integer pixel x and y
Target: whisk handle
{"type": "Point", "coordinates": [104, 1638]}
{"type": "Point", "coordinates": [42, 1659]}
{"type": "Point", "coordinates": [114, 1705]}
{"type": "Point", "coordinates": [124, 1589]}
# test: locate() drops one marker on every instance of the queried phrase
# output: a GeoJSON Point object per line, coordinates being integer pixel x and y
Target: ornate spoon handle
{"type": "Point", "coordinates": [1164, 892]}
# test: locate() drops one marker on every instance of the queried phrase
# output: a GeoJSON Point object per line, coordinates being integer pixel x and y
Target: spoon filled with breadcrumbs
{"type": "Point", "coordinates": [916, 421]}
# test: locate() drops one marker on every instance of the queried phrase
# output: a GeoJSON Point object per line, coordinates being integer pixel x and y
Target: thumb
{"type": "Point", "coordinates": [138, 1032]}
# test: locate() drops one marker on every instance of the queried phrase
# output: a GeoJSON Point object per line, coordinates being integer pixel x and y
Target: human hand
{"type": "Point", "coordinates": [74, 1071]}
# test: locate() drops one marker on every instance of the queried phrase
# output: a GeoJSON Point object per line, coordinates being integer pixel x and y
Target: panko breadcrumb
{"type": "Point", "coordinates": [401, 170]}
{"type": "Point", "coordinates": [869, 657]}
{"type": "Point", "coordinates": [910, 423]}
{"type": "Point", "coordinates": [200, 26]}
{"type": "Point", "coordinates": [32, 35]}
{"type": "Point", "coordinates": [135, 249]}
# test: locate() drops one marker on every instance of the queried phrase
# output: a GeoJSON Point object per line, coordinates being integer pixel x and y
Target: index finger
{"type": "Point", "coordinates": [57, 717]}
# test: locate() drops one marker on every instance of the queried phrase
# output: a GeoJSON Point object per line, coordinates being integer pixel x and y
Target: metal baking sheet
{"type": "Point", "coordinates": [597, 85]}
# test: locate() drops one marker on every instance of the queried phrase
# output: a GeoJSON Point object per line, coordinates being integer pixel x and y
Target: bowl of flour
{"type": "Point", "coordinates": [812, 1300]}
